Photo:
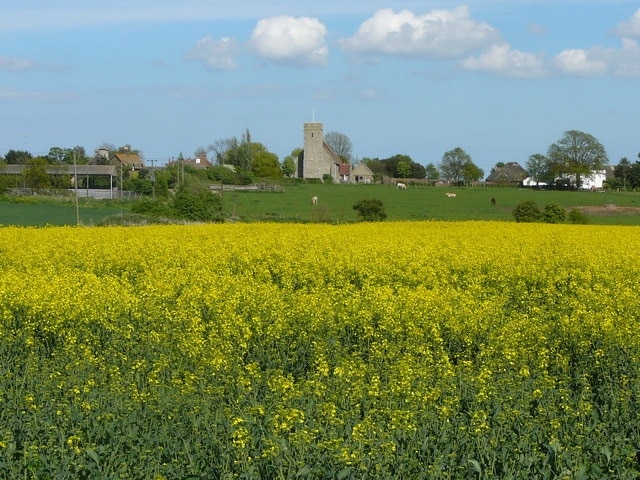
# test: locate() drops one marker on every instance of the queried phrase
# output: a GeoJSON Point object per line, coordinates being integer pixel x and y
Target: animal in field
{"type": "Point", "coordinates": [493, 201]}
{"type": "Point", "coordinates": [314, 200]}
{"type": "Point", "coordinates": [450, 195]}
{"type": "Point", "coordinates": [401, 186]}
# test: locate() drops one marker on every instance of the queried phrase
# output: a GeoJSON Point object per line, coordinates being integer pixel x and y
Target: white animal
{"type": "Point", "coordinates": [401, 186]}
{"type": "Point", "coordinates": [450, 195]}
{"type": "Point", "coordinates": [314, 200]}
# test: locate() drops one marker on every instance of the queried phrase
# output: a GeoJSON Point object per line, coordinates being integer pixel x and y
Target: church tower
{"type": "Point", "coordinates": [312, 164]}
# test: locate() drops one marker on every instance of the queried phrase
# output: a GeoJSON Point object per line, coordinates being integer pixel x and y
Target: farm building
{"type": "Point", "coordinates": [510, 174]}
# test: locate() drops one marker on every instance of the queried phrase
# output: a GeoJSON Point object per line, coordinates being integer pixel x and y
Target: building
{"type": "Point", "coordinates": [317, 159]}
{"type": "Point", "coordinates": [127, 159]}
{"type": "Point", "coordinates": [510, 174]}
{"type": "Point", "coordinates": [361, 173]}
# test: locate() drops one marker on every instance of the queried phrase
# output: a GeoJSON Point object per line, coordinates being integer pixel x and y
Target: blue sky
{"type": "Point", "coordinates": [500, 79]}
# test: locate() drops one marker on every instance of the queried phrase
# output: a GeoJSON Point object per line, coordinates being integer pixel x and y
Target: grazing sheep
{"type": "Point", "coordinates": [314, 200]}
{"type": "Point", "coordinates": [401, 186]}
{"type": "Point", "coordinates": [450, 195]}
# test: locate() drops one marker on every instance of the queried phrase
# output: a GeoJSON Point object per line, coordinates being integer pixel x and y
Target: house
{"type": "Point", "coordinates": [361, 173]}
{"type": "Point", "coordinates": [127, 158]}
{"type": "Point", "coordinates": [593, 181]}
{"type": "Point", "coordinates": [511, 174]}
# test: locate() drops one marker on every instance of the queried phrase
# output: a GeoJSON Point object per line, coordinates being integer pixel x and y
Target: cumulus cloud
{"type": "Point", "coordinates": [440, 34]}
{"type": "Point", "coordinates": [14, 64]}
{"type": "Point", "coordinates": [621, 62]}
{"type": "Point", "coordinates": [501, 59]}
{"type": "Point", "coordinates": [214, 54]}
{"type": "Point", "coordinates": [291, 41]}
{"type": "Point", "coordinates": [580, 62]}
{"type": "Point", "coordinates": [630, 27]}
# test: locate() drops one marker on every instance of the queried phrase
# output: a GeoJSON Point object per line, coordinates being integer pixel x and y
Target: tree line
{"type": "Point", "coordinates": [575, 154]}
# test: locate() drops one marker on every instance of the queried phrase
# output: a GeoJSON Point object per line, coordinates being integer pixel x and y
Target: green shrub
{"type": "Point", "coordinates": [553, 213]}
{"type": "Point", "coordinates": [577, 217]}
{"type": "Point", "coordinates": [201, 205]}
{"type": "Point", "coordinates": [527, 211]}
{"type": "Point", "coordinates": [370, 210]}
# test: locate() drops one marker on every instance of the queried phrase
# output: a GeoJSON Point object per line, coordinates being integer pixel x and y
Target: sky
{"type": "Point", "coordinates": [501, 79]}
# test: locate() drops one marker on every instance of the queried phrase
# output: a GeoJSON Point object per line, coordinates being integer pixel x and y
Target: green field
{"type": "Point", "coordinates": [335, 205]}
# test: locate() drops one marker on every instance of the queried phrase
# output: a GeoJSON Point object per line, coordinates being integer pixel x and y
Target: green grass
{"type": "Point", "coordinates": [417, 203]}
{"type": "Point", "coordinates": [335, 205]}
{"type": "Point", "coordinates": [30, 211]}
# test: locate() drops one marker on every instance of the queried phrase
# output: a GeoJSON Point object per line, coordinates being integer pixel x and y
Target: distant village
{"type": "Point", "coordinates": [104, 175]}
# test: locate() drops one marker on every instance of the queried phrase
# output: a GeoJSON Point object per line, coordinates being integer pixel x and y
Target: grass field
{"type": "Point", "coordinates": [335, 205]}
{"type": "Point", "coordinates": [423, 203]}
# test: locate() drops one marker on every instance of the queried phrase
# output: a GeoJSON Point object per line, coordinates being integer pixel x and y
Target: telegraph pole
{"type": "Point", "coordinates": [75, 182]}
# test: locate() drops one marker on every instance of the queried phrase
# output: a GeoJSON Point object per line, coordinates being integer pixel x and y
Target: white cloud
{"type": "Point", "coordinates": [14, 64]}
{"type": "Point", "coordinates": [630, 27]}
{"type": "Point", "coordinates": [579, 62]}
{"type": "Point", "coordinates": [502, 60]}
{"type": "Point", "coordinates": [214, 54]}
{"type": "Point", "coordinates": [626, 60]}
{"type": "Point", "coordinates": [621, 62]}
{"type": "Point", "coordinates": [291, 41]}
{"type": "Point", "coordinates": [440, 34]}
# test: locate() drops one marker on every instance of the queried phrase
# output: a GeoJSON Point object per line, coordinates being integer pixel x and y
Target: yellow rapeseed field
{"type": "Point", "coordinates": [382, 350]}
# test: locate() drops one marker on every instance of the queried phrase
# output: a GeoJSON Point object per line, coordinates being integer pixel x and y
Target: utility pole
{"type": "Point", "coordinates": [153, 180]}
{"type": "Point", "coordinates": [75, 183]}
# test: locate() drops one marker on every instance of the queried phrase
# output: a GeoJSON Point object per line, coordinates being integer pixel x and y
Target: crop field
{"type": "Point", "coordinates": [464, 350]}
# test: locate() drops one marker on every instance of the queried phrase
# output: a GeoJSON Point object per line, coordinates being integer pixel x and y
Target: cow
{"type": "Point", "coordinates": [401, 186]}
{"type": "Point", "coordinates": [450, 195]}
{"type": "Point", "coordinates": [314, 200]}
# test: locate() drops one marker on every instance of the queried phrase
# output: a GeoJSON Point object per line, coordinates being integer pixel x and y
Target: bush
{"type": "Point", "coordinates": [554, 213]}
{"type": "Point", "coordinates": [527, 211]}
{"type": "Point", "coordinates": [201, 205]}
{"type": "Point", "coordinates": [370, 210]}
{"type": "Point", "coordinates": [577, 217]}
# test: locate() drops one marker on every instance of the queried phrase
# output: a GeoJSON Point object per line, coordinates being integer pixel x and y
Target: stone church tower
{"type": "Point", "coordinates": [317, 158]}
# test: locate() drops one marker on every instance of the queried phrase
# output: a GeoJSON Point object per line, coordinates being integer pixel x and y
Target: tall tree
{"type": "Point", "coordinates": [622, 172]}
{"type": "Point", "coordinates": [453, 165]}
{"type": "Point", "coordinates": [540, 168]}
{"type": "Point", "coordinates": [432, 173]}
{"type": "Point", "coordinates": [577, 153]}
{"type": "Point", "coordinates": [471, 172]}
{"type": "Point", "coordinates": [340, 144]}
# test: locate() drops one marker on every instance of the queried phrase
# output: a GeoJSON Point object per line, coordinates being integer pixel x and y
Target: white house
{"type": "Point", "coordinates": [593, 181]}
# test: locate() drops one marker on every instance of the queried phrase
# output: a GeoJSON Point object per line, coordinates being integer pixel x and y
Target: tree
{"type": "Point", "coordinates": [540, 168]}
{"type": "Point", "coordinates": [471, 172]}
{"type": "Point", "coordinates": [340, 144]}
{"type": "Point", "coordinates": [290, 162]}
{"type": "Point", "coordinates": [432, 173]}
{"type": "Point", "coordinates": [403, 169]}
{"type": "Point", "coordinates": [35, 175]}
{"type": "Point", "coordinates": [622, 172]}
{"type": "Point", "coordinates": [577, 153]}
{"type": "Point", "coordinates": [370, 210]}
{"type": "Point", "coordinates": [457, 167]}
{"type": "Point", "coordinates": [265, 164]}
{"type": "Point", "coordinates": [17, 157]}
